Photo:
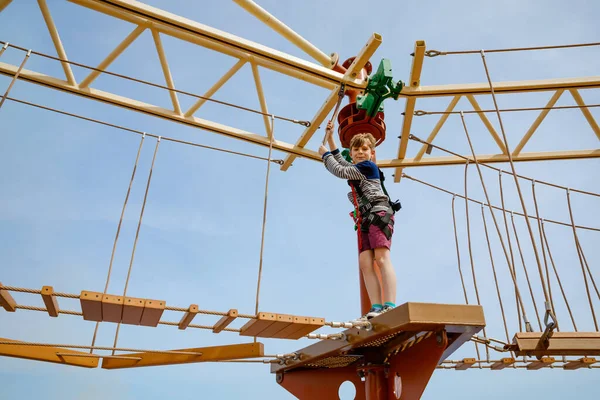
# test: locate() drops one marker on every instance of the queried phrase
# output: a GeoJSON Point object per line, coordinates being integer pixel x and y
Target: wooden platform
{"type": "Point", "coordinates": [559, 344]}
{"type": "Point", "coordinates": [391, 331]}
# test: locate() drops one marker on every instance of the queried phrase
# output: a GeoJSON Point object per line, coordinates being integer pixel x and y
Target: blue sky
{"type": "Point", "coordinates": [65, 180]}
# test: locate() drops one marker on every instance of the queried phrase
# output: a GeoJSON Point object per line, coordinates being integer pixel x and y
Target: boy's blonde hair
{"type": "Point", "coordinates": [362, 138]}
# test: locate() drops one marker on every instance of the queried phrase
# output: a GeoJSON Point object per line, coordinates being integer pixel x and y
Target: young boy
{"type": "Point", "coordinates": [376, 213]}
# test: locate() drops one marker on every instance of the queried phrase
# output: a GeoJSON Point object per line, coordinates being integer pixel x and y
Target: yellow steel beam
{"type": "Point", "coordinates": [285, 31]}
{"type": "Point", "coordinates": [490, 158]}
{"type": "Point", "coordinates": [262, 100]}
{"type": "Point", "coordinates": [47, 354]}
{"type": "Point", "coordinates": [166, 71]}
{"type": "Point", "coordinates": [223, 42]}
{"type": "Point", "coordinates": [112, 56]}
{"type": "Point", "coordinates": [210, 92]}
{"type": "Point", "coordinates": [56, 40]}
{"type": "Point", "coordinates": [537, 122]}
{"type": "Point", "coordinates": [153, 110]}
{"type": "Point", "coordinates": [503, 87]}
{"type": "Point", "coordinates": [586, 112]}
{"type": "Point", "coordinates": [487, 123]}
{"type": "Point", "coordinates": [357, 65]}
{"type": "Point", "coordinates": [409, 108]}
{"type": "Point", "coordinates": [215, 353]}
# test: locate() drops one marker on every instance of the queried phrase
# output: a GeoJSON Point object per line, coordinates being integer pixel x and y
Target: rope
{"type": "Point", "coordinates": [579, 253]}
{"type": "Point", "coordinates": [435, 53]}
{"type": "Point", "coordinates": [14, 79]}
{"type": "Point", "coordinates": [44, 309]}
{"type": "Point", "coordinates": [549, 311]}
{"type": "Point", "coordinates": [264, 219]}
{"type": "Point", "coordinates": [539, 223]}
{"type": "Point", "coordinates": [208, 327]}
{"type": "Point", "coordinates": [471, 254]}
{"type": "Point", "coordinates": [512, 219]}
{"type": "Point", "coordinates": [420, 113]}
{"type": "Point", "coordinates": [487, 238]}
{"type": "Point", "coordinates": [156, 85]}
{"type": "Point", "coordinates": [512, 257]}
{"type": "Point", "coordinates": [98, 356]}
{"type": "Point", "coordinates": [112, 255]}
{"type": "Point", "coordinates": [75, 346]}
{"type": "Point", "coordinates": [337, 107]}
{"type": "Point", "coordinates": [558, 277]}
{"type": "Point", "coordinates": [527, 324]}
{"type": "Point", "coordinates": [168, 139]}
{"type": "Point", "coordinates": [137, 234]}
{"type": "Point", "coordinates": [415, 138]}
{"type": "Point", "coordinates": [462, 280]}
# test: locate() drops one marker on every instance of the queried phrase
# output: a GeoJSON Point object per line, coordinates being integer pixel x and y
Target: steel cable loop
{"type": "Point", "coordinates": [512, 219]}
{"type": "Point", "coordinates": [557, 276]}
{"type": "Point", "coordinates": [112, 255]}
{"type": "Point", "coordinates": [510, 248]}
{"type": "Point", "coordinates": [264, 219]}
{"type": "Point", "coordinates": [468, 223]}
{"type": "Point", "coordinates": [518, 293]}
{"type": "Point", "coordinates": [168, 139]}
{"type": "Point", "coordinates": [137, 235]}
{"type": "Point", "coordinates": [537, 214]}
{"type": "Point", "coordinates": [14, 79]}
{"type": "Point", "coordinates": [417, 139]}
{"type": "Point", "coordinates": [435, 53]}
{"type": "Point", "coordinates": [156, 85]}
{"type": "Point", "coordinates": [579, 252]}
{"type": "Point", "coordinates": [421, 113]}
{"type": "Point", "coordinates": [493, 266]}
{"type": "Point", "coordinates": [462, 280]}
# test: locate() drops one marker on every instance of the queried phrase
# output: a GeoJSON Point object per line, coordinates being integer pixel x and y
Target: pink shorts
{"type": "Point", "coordinates": [375, 238]}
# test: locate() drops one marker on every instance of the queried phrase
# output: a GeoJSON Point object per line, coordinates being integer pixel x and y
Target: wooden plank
{"type": "Point", "coordinates": [50, 300]}
{"type": "Point", "coordinates": [7, 301]}
{"type": "Point", "coordinates": [225, 320]}
{"type": "Point", "coordinates": [297, 324]}
{"type": "Point", "coordinates": [559, 344]}
{"type": "Point", "coordinates": [91, 305]}
{"type": "Point", "coordinates": [257, 325]}
{"type": "Point", "coordinates": [584, 362]}
{"type": "Point", "coordinates": [47, 354]}
{"type": "Point", "coordinates": [153, 310]}
{"type": "Point", "coordinates": [215, 353]}
{"type": "Point", "coordinates": [541, 363]}
{"type": "Point", "coordinates": [313, 325]}
{"type": "Point", "coordinates": [283, 321]}
{"type": "Point", "coordinates": [503, 363]}
{"type": "Point", "coordinates": [112, 308]}
{"type": "Point", "coordinates": [132, 310]}
{"type": "Point", "coordinates": [188, 316]}
{"type": "Point", "coordinates": [466, 363]}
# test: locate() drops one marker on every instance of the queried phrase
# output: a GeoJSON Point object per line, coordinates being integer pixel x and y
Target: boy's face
{"type": "Point", "coordinates": [361, 153]}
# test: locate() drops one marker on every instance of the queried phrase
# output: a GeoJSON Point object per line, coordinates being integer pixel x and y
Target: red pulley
{"type": "Point", "coordinates": [352, 121]}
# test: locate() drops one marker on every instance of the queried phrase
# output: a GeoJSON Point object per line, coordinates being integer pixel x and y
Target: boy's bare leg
{"type": "Point", "coordinates": [365, 262]}
{"type": "Point", "coordinates": [388, 275]}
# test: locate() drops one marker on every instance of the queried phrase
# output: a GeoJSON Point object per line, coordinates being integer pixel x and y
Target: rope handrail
{"type": "Point", "coordinates": [77, 346]}
{"type": "Point", "coordinates": [421, 113]}
{"type": "Point", "coordinates": [156, 85]}
{"type": "Point", "coordinates": [166, 138]}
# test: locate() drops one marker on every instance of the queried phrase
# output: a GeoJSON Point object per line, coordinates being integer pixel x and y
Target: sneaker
{"type": "Point", "coordinates": [373, 312]}
{"type": "Point", "coordinates": [386, 309]}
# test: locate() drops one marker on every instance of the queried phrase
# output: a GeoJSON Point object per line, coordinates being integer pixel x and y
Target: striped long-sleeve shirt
{"type": "Point", "coordinates": [365, 173]}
